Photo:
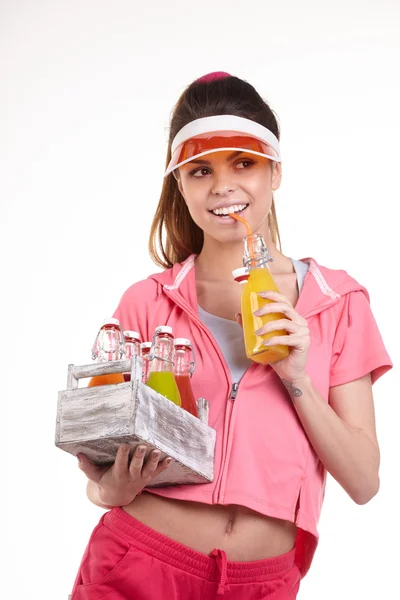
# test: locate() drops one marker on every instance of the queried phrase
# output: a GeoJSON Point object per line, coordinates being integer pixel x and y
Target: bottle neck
{"type": "Point", "coordinates": [132, 348]}
{"type": "Point", "coordinates": [145, 370]}
{"type": "Point", "coordinates": [109, 344]}
{"type": "Point", "coordinates": [258, 262]}
{"type": "Point", "coordinates": [162, 354]}
{"type": "Point", "coordinates": [182, 361]}
{"type": "Point", "coordinates": [255, 252]}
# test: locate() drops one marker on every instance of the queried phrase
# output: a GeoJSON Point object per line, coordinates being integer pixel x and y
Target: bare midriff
{"type": "Point", "coordinates": [243, 534]}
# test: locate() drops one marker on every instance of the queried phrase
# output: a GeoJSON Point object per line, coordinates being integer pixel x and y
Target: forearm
{"type": "Point", "coordinates": [347, 453]}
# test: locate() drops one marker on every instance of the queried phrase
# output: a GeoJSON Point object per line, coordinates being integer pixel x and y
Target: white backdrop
{"type": "Point", "coordinates": [87, 87]}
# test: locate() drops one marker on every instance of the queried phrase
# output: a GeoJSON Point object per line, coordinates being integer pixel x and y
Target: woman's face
{"type": "Point", "coordinates": [224, 181]}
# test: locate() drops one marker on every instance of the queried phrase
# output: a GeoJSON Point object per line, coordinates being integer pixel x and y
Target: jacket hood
{"type": "Point", "coordinates": [322, 287]}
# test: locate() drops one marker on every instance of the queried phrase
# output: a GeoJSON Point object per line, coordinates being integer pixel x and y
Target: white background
{"type": "Point", "coordinates": [86, 92]}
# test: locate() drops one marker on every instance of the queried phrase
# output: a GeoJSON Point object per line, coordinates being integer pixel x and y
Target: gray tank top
{"type": "Point", "coordinates": [229, 335]}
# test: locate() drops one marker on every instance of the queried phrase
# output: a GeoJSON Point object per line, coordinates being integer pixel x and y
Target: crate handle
{"type": "Point", "coordinates": [76, 372]}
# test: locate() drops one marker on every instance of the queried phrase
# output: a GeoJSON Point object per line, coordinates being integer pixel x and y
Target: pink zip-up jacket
{"type": "Point", "coordinates": [263, 458]}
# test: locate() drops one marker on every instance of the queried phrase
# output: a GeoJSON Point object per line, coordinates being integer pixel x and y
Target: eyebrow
{"type": "Point", "coordinates": [200, 161]}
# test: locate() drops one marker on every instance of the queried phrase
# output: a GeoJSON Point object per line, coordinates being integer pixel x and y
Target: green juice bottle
{"type": "Point", "coordinates": [161, 374]}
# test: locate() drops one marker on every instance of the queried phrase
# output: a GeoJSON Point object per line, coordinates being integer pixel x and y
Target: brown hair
{"type": "Point", "coordinates": [174, 235]}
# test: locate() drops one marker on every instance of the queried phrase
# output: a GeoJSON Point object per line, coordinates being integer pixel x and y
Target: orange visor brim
{"type": "Point", "coordinates": [208, 143]}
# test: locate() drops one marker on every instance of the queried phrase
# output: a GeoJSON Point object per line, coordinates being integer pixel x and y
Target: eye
{"type": "Point", "coordinates": [245, 162]}
{"type": "Point", "coordinates": [200, 172]}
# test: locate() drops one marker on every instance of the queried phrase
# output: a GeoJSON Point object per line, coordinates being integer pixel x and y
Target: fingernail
{"type": "Point", "coordinates": [168, 460]}
{"type": "Point", "coordinates": [156, 453]}
{"type": "Point", "coordinates": [258, 332]}
{"type": "Point", "coordinates": [257, 313]}
{"type": "Point", "coordinates": [141, 450]}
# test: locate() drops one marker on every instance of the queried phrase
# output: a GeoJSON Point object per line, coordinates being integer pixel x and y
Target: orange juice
{"type": "Point", "coordinates": [164, 383]}
{"type": "Point", "coordinates": [260, 280]}
{"type": "Point", "coordinates": [109, 379]}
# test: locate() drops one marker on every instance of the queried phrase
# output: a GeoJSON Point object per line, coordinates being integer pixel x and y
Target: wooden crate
{"type": "Point", "coordinates": [96, 420]}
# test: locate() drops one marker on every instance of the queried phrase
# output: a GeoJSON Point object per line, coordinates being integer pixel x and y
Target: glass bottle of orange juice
{"type": "Point", "coordinates": [161, 374]}
{"type": "Point", "coordinates": [256, 258]}
{"type": "Point", "coordinates": [108, 346]}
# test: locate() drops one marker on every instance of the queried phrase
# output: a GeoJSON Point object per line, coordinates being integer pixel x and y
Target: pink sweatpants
{"type": "Point", "coordinates": [126, 560]}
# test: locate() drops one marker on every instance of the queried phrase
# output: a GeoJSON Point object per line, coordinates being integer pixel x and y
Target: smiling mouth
{"type": "Point", "coordinates": [225, 212]}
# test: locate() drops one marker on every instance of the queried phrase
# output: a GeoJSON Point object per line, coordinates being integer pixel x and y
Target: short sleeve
{"type": "Point", "coordinates": [132, 310]}
{"type": "Point", "coordinates": [358, 348]}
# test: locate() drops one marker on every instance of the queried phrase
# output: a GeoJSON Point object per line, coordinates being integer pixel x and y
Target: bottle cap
{"type": "Point", "coordinates": [146, 345]}
{"type": "Point", "coordinates": [111, 321]}
{"type": "Point", "coordinates": [164, 329]}
{"type": "Point", "coordinates": [181, 342]}
{"type": "Point", "coordinates": [241, 274]}
{"type": "Point", "coordinates": [132, 334]}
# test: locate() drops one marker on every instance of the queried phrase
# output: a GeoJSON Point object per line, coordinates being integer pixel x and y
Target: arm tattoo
{"type": "Point", "coordinates": [293, 391]}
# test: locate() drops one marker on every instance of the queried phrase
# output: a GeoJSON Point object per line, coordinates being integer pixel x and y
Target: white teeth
{"type": "Point", "coordinates": [228, 210]}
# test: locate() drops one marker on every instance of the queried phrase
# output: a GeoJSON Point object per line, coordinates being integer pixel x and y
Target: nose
{"type": "Point", "coordinates": [223, 184]}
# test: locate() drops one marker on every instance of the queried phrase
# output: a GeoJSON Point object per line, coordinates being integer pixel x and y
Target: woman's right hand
{"type": "Point", "coordinates": [121, 482]}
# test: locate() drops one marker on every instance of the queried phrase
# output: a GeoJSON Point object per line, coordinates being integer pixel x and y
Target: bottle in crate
{"type": "Point", "coordinates": [161, 374]}
{"type": "Point", "coordinates": [184, 365]}
{"type": "Point", "coordinates": [132, 347]}
{"type": "Point", "coordinates": [145, 348]}
{"type": "Point", "coordinates": [108, 346]}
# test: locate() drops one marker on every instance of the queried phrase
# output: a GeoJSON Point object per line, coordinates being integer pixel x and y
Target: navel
{"type": "Point", "coordinates": [229, 526]}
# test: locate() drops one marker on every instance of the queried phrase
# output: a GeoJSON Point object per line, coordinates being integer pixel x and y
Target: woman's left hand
{"type": "Point", "coordinates": [293, 367]}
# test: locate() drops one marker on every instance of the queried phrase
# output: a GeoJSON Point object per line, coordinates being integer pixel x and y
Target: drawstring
{"type": "Point", "coordinates": [220, 558]}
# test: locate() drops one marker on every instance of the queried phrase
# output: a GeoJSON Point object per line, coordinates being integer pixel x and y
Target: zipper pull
{"type": "Point", "coordinates": [234, 391]}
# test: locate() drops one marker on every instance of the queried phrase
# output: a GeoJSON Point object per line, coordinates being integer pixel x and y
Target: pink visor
{"type": "Point", "coordinates": [218, 133]}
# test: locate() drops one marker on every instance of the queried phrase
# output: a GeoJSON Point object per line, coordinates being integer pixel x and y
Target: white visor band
{"type": "Point", "coordinates": [218, 133]}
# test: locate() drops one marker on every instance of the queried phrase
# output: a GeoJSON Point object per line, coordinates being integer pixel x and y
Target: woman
{"type": "Point", "coordinates": [252, 532]}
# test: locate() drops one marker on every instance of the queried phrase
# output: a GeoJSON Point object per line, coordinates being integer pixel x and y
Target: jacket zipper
{"type": "Point", "coordinates": [220, 479]}
{"type": "Point", "coordinates": [220, 485]}
{"type": "Point", "coordinates": [234, 391]}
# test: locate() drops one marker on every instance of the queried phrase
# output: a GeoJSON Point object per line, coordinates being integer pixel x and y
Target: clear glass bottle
{"type": "Point", "coordinates": [161, 373]}
{"type": "Point", "coordinates": [108, 346]}
{"type": "Point", "coordinates": [145, 348]}
{"type": "Point", "coordinates": [132, 347]}
{"type": "Point", "coordinates": [184, 369]}
{"type": "Point", "coordinates": [256, 258]}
